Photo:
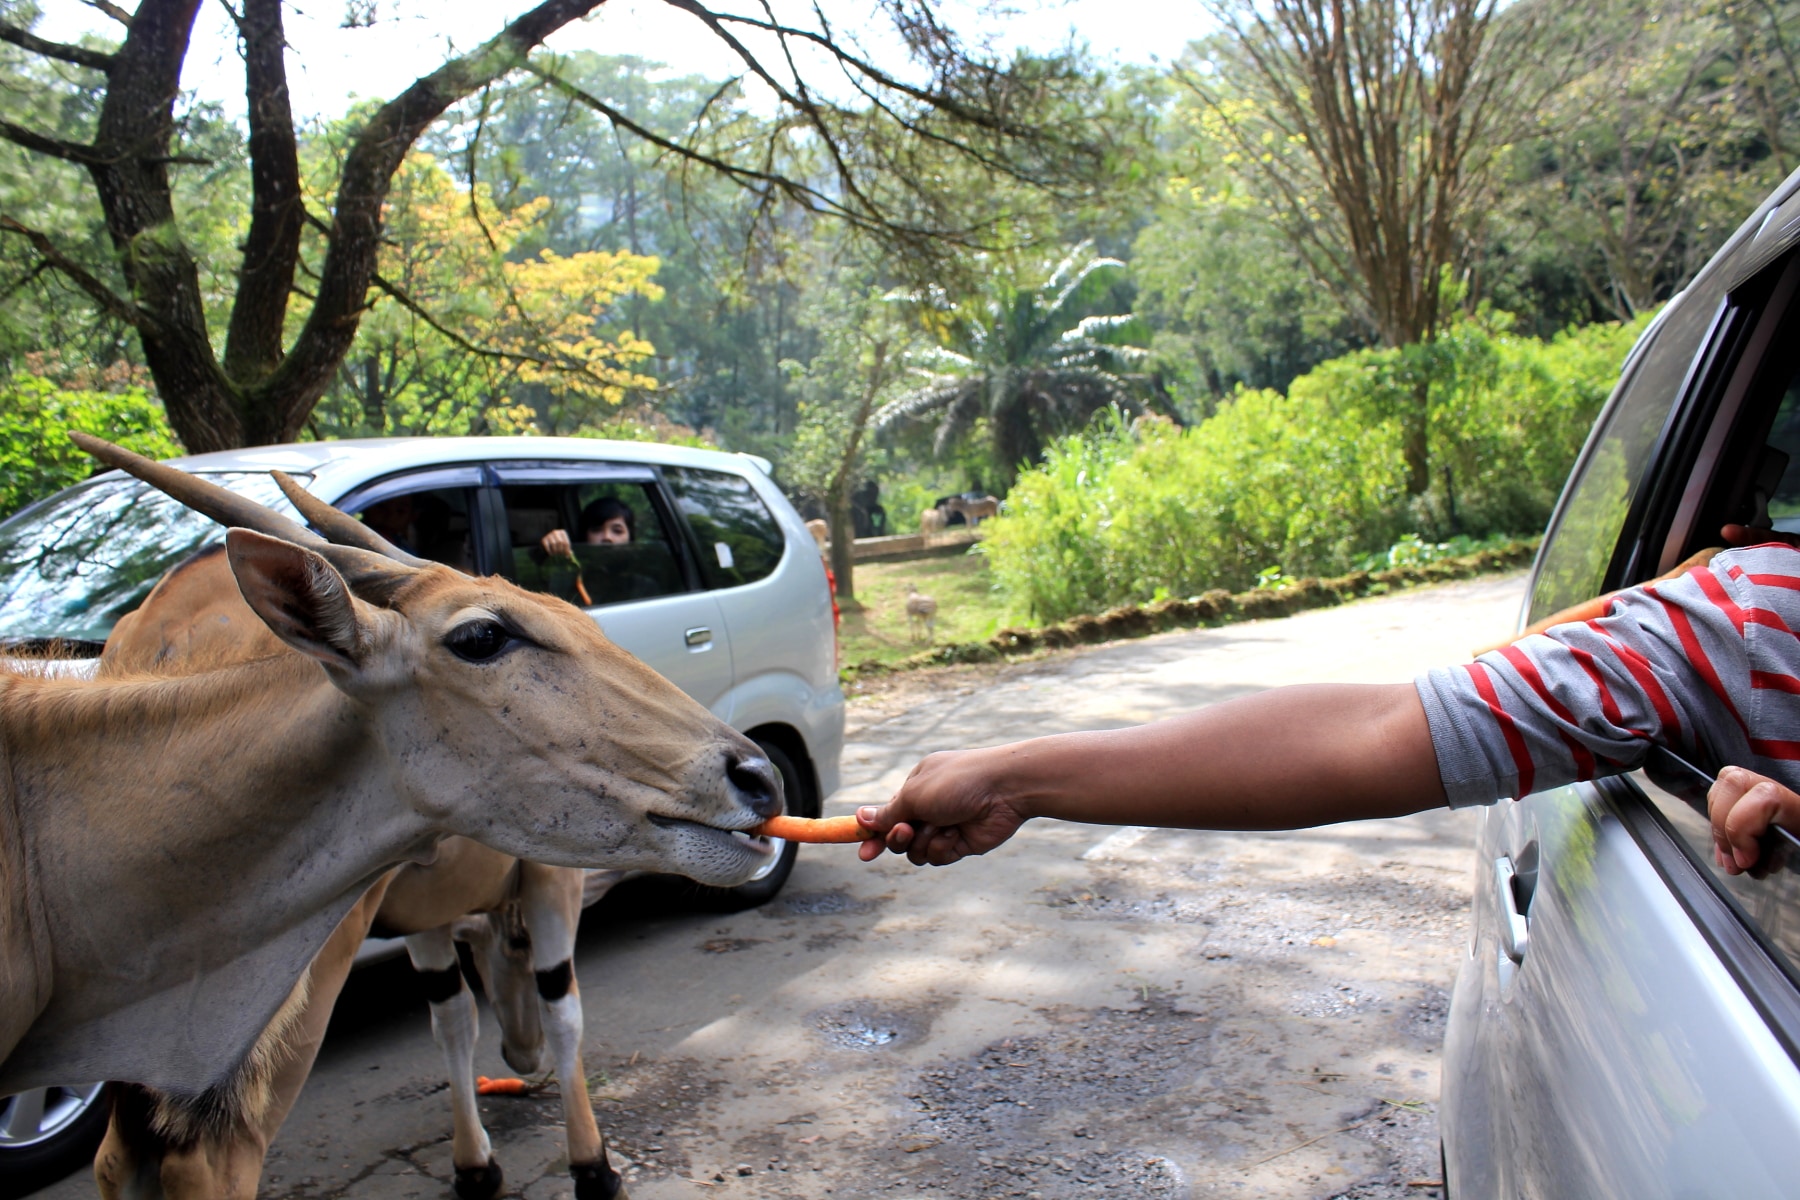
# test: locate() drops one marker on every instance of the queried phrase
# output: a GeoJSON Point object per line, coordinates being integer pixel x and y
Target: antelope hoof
{"type": "Point", "coordinates": [597, 1181]}
{"type": "Point", "coordinates": [479, 1183]}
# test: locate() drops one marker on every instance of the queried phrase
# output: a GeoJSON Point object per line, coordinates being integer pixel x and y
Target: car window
{"type": "Point", "coordinates": [72, 565]}
{"type": "Point", "coordinates": [618, 549]}
{"type": "Point", "coordinates": [1784, 436]}
{"type": "Point", "coordinates": [1579, 546]}
{"type": "Point", "coordinates": [740, 541]}
{"type": "Point", "coordinates": [1769, 902]}
{"type": "Point", "coordinates": [431, 522]}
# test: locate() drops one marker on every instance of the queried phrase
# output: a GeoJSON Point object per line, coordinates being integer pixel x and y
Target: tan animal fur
{"type": "Point", "coordinates": [973, 511]}
{"type": "Point", "coordinates": [931, 522]}
{"type": "Point", "coordinates": [210, 831]}
{"type": "Point", "coordinates": [921, 615]}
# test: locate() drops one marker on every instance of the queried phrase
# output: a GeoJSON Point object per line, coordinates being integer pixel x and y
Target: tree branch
{"type": "Point", "coordinates": [367, 175]}
{"type": "Point", "coordinates": [110, 9]}
{"type": "Point", "coordinates": [43, 144]}
{"type": "Point", "coordinates": [113, 304]}
{"type": "Point", "coordinates": [81, 56]}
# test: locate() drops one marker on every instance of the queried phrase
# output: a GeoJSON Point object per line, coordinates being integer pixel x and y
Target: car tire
{"type": "Point", "coordinates": [47, 1133]}
{"type": "Point", "coordinates": [768, 882]}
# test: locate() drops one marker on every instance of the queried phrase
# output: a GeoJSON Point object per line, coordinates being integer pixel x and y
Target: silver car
{"type": "Point", "coordinates": [1627, 1022]}
{"type": "Point", "coordinates": [714, 581]}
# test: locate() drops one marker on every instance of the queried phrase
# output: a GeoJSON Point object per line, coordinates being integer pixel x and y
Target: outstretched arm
{"type": "Point", "coordinates": [1282, 759]}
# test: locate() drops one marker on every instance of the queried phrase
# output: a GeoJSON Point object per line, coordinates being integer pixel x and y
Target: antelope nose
{"type": "Point", "coordinates": [757, 782]}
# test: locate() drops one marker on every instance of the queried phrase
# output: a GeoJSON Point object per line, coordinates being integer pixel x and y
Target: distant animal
{"type": "Point", "coordinates": [931, 521]}
{"type": "Point", "coordinates": [821, 532]}
{"type": "Point", "coordinates": [973, 511]}
{"type": "Point", "coordinates": [921, 615]}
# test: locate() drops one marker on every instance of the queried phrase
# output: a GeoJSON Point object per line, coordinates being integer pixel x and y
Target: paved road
{"type": "Point", "coordinates": [1090, 1013]}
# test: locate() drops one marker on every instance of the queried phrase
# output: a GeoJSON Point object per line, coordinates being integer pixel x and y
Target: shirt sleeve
{"type": "Point", "coordinates": [1669, 663]}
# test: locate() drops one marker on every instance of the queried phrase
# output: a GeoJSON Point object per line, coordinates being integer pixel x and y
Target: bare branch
{"type": "Point", "coordinates": [110, 9]}
{"type": "Point", "coordinates": [81, 56]}
{"type": "Point", "coordinates": [113, 304]}
{"type": "Point", "coordinates": [44, 144]}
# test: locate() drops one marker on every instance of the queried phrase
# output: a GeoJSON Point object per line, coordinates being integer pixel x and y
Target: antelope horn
{"type": "Point", "coordinates": [372, 576]}
{"type": "Point", "coordinates": [339, 527]}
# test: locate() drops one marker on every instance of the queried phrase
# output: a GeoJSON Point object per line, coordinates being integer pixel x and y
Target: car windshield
{"type": "Point", "coordinates": [72, 565]}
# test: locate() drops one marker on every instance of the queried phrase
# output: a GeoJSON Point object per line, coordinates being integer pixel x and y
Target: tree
{"type": "Point", "coordinates": [480, 331]}
{"type": "Point", "coordinates": [1031, 359]}
{"type": "Point", "coordinates": [1677, 123]}
{"type": "Point", "coordinates": [1021, 120]}
{"type": "Point", "coordinates": [1372, 128]}
{"type": "Point", "coordinates": [865, 338]}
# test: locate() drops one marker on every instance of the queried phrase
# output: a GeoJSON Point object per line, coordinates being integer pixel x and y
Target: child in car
{"type": "Point", "coordinates": [1706, 664]}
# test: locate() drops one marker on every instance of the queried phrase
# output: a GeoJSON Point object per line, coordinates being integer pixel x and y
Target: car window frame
{"type": "Point", "coordinates": [1765, 975]}
{"type": "Point", "coordinates": [572, 473]}
{"type": "Point", "coordinates": [699, 549]}
{"type": "Point", "coordinates": [474, 476]}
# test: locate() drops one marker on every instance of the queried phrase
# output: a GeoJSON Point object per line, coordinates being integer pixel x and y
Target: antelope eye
{"type": "Point", "coordinates": [479, 641]}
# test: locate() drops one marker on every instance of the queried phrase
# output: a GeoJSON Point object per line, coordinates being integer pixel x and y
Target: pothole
{"type": "Point", "coordinates": [855, 1027]}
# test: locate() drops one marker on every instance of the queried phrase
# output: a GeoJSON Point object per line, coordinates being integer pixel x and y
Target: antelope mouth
{"type": "Point", "coordinates": [740, 837]}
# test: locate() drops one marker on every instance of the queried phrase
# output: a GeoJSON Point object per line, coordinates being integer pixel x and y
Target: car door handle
{"type": "Point", "coordinates": [1515, 931]}
{"type": "Point", "coordinates": [699, 636]}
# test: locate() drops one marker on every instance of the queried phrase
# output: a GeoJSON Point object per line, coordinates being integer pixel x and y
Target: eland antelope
{"type": "Point", "coordinates": [523, 934]}
{"type": "Point", "coordinates": [175, 851]}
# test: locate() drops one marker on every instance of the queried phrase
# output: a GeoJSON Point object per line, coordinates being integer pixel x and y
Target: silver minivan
{"type": "Point", "coordinates": [714, 581]}
{"type": "Point", "coordinates": [1627, 1021]}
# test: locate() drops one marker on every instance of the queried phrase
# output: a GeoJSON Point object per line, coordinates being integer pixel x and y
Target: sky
{"type": "Point", "coordinates": [331, 65]}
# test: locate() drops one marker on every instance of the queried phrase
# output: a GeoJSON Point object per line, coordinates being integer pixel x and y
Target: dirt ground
{"type": "Point", "coordinates": [1090, 1012]}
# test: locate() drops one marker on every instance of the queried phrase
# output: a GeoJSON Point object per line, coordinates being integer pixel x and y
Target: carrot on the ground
{"type": "Point", "coordinates": [808, 829]}
{"type": "Point", "coordinates": [501, 1087]}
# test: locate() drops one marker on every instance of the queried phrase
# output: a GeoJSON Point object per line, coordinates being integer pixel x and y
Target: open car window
{"type": "Point", "coordinates": [599, 567]}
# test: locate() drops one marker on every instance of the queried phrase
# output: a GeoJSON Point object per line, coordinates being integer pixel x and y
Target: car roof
{"type": "Point", "coordinates": [335, 465]}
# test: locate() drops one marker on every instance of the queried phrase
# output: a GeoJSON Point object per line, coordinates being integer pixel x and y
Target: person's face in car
{"type": "Point", "coordinates": [613, 532]}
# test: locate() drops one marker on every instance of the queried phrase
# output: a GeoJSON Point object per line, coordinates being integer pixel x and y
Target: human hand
{"type": "Point", "coordinates": [556, 544]}
{"type": "Point", "coordinates": [951, 807]}
{"type": "Point", "coordinates": [1749, 535]}
{"type": "Point", "coordinates": [1743, 805]}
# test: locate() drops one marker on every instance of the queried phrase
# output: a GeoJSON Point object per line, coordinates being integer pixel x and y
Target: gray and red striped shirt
{"type": "Point", "coordinates": [1707, 664]}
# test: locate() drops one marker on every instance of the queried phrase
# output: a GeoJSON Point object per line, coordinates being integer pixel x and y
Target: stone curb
{"type": "Point", "coordinates": [1217, 607]}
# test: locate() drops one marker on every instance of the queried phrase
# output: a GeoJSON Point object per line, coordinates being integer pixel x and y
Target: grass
{"type": "Point", "coordinates": [874, 628]}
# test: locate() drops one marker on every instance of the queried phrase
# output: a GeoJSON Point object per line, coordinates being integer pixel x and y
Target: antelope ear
{"type": "Point", "coordinates": [299, 596]}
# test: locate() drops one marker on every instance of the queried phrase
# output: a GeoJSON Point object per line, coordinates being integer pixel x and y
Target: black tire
{"type": "Point", "coordinates": [796, 786]}
{"type": "Point", "coordinates": [46, 1149]}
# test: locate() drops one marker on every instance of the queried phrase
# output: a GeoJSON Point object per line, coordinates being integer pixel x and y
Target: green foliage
{"type": "Point", "coordinates": [36, 455]}
{"type": "Point", "coordinates": [1311, 483]}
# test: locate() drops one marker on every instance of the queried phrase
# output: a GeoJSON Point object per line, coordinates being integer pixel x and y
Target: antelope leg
{"type": "Point", "coordinates": [433, 955]}
{"type": "Point", "coordinates": [552, 901]}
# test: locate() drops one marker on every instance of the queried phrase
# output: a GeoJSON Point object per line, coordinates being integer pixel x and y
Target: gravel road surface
{"type": "Point", "coordinates": [1089, 1012]}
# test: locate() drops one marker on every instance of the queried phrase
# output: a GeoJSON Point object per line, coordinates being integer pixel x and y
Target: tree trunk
{"type": "Point", "coordinates": [843, 538]}
{"type": "Point", "coordinates": [1417, 446]}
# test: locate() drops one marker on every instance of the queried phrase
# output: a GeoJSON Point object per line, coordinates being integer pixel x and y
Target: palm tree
{"type": "Point", "coordinates": [1036, 361]}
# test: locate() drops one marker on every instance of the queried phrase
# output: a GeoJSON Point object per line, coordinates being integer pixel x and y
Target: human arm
{"type": "Point", "coordinates": [1281, 759]}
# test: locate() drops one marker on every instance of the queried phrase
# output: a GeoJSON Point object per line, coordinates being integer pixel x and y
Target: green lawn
{"type": "Point", "coordinates": [875, 626]}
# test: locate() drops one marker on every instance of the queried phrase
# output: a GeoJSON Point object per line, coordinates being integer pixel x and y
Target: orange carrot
{"type": "Point", "coordinates": [806, 829]}
{"type": "Point", "coordinates": [501, 1087]}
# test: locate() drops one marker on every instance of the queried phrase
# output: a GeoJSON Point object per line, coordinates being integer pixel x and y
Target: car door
{"type": "Point", "coordinates": [1623, 1026]}
{"type": "Point", "coordinates": [645, 593]}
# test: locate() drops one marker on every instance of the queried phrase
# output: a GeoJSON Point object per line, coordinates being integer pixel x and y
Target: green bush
{"type": "Point", "coordinates": [36, 455]}
{"type": "Point", "coordinates": [1311, 483]}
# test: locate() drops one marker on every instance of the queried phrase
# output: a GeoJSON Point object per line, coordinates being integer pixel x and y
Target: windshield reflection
{"type": "Point", "coordinates": [72, 565]}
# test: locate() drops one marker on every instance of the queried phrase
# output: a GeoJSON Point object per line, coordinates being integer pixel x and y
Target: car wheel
{"type": "Point", "coordinates": [766, 883]}
{"type": "Point", "coordinates": [48, 1132]}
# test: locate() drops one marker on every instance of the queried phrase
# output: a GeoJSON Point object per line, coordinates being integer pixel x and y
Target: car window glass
{"type": "Point", "coordinates": [1784, 502]}
{"type": "Point", "coordinates": [617, 548]}
{"type": "Point", "coordinates": [740, 541]}
{"type": "Point", "coordinates": [432, 523]}
{"type": "Point", "coordinates": [1580, 546]}
{"type": "Point", "coordinates": [71, 566]}
{"type": "Point", "coordinates": [1770, 904]}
